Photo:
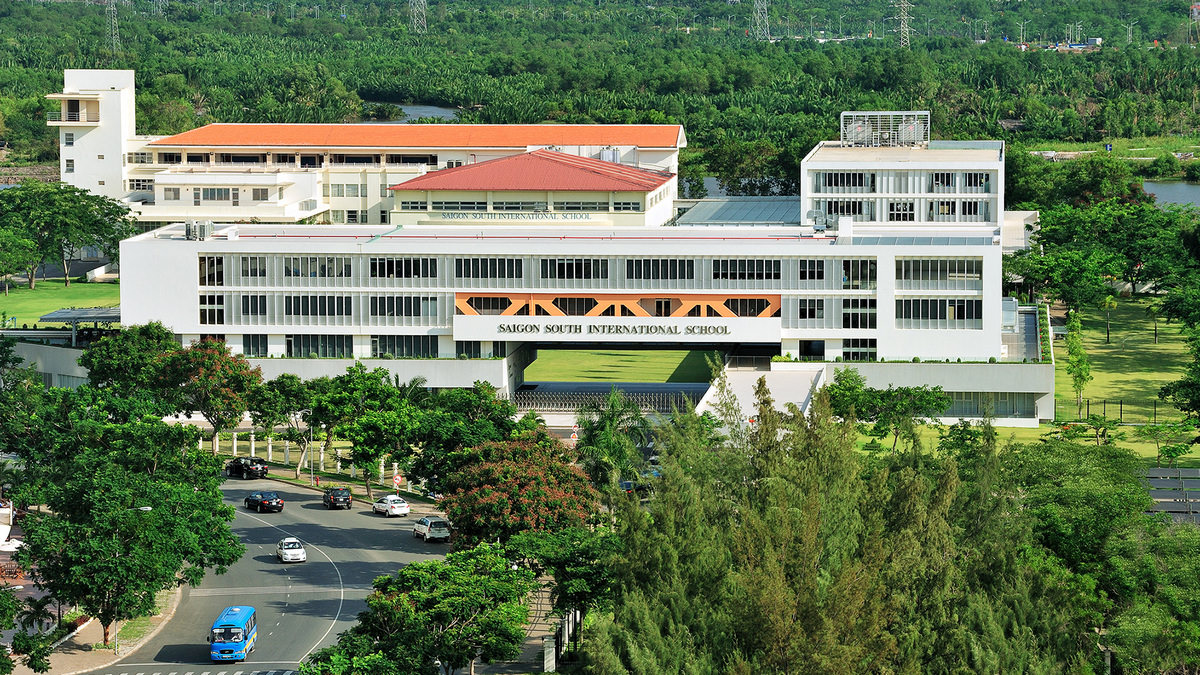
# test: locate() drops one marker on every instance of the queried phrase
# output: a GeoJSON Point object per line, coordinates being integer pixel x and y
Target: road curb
{"type": "Point", "coordinates": [72, 634]}
{"type": "Point", "coordinates": [166, 616]}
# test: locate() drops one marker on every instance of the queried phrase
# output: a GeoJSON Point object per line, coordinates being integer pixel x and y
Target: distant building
{"type": "Point", "coordinates": [456, 252]}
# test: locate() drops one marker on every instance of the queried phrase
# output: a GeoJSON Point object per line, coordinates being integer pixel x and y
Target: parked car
{"type": "Point", "coordinates": [289, 549]}
{"type": "Point", "coordinates": [247, 467]}
{"type": "Point", "coordinates": [642, 490]}
{"type": "Point", "coordinates": [264, 501]}
{"type": "Point", "coordinates": [337, 498]}
{"type": "Point", "coordinates": [391, 505]}
{"type": "Point", "coordinates": [431, 528]}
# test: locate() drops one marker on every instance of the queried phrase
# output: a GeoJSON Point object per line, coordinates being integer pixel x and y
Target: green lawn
{"type": "Point", "coordinates": [616, 365]}
{"type": "Point", "coordinates": [1143, 449]}
{"type": "Point", "coordinates": [1131, 368]}
{"type": "Point", "coordinates": [1152, 146]}
{"type": "Point", "coordinates": [28, 306]}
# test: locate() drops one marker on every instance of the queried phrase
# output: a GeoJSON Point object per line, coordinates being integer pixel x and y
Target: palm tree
{"type": "Point", "coordinates": [36, 613]}
{"type": "Point", "coordinates": [1109, 304]}
{"type": "Point", "coordinates": [1154, 310]}
{"type": "Point", "coordinates": [610, 433]}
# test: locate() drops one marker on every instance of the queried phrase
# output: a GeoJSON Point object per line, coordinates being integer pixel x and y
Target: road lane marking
{"type": "Point", "coordinates": [341, 585]}
{"type": "Point", "coordinates": [268, 590]}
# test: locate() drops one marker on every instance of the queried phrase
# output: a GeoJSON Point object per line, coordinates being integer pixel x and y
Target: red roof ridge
{"type": "Point", "coordinates": [541, 169]}
{"type": "Point", "coordinates": [368, 135]}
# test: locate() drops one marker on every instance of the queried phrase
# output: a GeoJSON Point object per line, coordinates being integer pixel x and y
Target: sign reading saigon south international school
{"type": "Point", "coordinates": [607, 329]}
{"type": "Point", "coordinates": [481, 215]}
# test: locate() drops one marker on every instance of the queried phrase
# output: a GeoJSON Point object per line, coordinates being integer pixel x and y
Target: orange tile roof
{"type": "Point", "coordinates": [541, 170]}
{"type": "Point", "coordinates": [427, 135]}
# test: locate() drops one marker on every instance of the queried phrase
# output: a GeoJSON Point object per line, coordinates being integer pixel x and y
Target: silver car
{"type": "Point", "coordinates": [432, 529]}
{"type": "Point", "coordinates": [290, 549]}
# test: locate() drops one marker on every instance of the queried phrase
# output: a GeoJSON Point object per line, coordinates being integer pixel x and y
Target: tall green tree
{"type": "Point", "coordinates": [130, 361]}
{"type": "Point", "coordinates": [60, 219]}
{"type": "Point", "coordinates": [611, 433]}
{"type": "Point", "coordinates": [17, 253]}
{"type": "Point", "coordinates": [206, 378]}
{"type": "Point", "coordinates": [469, 606]}
{"type": "Point", "coordinates": [133, 509]}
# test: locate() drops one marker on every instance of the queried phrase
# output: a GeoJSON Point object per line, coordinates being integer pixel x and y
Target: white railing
{"type": "Point", "coordinates": [72, 117]}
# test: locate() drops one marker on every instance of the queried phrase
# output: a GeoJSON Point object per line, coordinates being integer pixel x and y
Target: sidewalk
{"type": "Point", "coordinates": [77, 656]}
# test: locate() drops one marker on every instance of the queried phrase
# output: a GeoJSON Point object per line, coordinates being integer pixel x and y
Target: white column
{"type": "Point", "coordinates": [322, 464]}
{"type": "Point", "coordinates": [233, 443]}
{"type": "Point", "coordinates": [252, 445]}
{"type": "Point", "coordinates": [270, 449]}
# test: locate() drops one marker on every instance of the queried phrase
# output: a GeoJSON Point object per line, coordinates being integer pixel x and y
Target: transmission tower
{"type": "Point", "coordinates": [1129, 31]}
{"type": "Point", "coordinates": [760, 28]}
{"type": "Point", "coordinates": [114, 34]}
{"type": "Point", "coordinates": [416, 10]}
{"type": "Point", "coordinates": [902, 15]}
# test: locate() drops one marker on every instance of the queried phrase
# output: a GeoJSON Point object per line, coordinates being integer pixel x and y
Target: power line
{"type": "Point", "coordinates": [761, 28]}
{"type": "Point", "coordinates": [416, 10]}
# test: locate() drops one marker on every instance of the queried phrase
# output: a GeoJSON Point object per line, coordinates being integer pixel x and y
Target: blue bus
{"type": "Point", "coordinates": [233, 634]}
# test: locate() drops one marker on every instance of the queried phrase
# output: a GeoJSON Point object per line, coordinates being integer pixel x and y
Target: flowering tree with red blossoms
{"type": "Point", "coordinates": [206, 378]}
{"type": "Point", "coordinates": [519, 486]}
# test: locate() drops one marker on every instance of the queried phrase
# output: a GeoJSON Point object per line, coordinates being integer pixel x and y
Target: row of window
{"type": "Point", "coordinates": [525, 206]}
{"type": "Point", "coordinates": [218, 194]}
{"type": "Point", "coordinates": [344, 190]}
{"type": "Point", "coordinates": [856, 273]}
{"type": "Point", "coordinates": [902, 181]}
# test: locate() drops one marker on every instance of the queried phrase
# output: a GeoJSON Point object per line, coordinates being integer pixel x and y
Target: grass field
{"type": "Point", "coordinates": [1143, 449]}
{"type": "Point", "coordinates": [1152, 146]}
{"type": "Point", "coordinates": [1131, 368]}
{"type": "Point", "coordinates": [616, 365]}
{"type": "Point", "coordinates": [28, 306]}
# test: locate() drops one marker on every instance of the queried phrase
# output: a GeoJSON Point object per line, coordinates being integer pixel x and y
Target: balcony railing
{"type": "Point", "coordinates": [72, 117]}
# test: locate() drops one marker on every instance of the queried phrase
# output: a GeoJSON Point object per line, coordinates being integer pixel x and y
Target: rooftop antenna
{"type": "Point", "coordinates": [114, 34]}
{"type": "Point", "coordinates": [905, 31]}
{"type": "Point", "coordinates": [761, 28]}
{"type": "Point", "coordinates": [416, 11]}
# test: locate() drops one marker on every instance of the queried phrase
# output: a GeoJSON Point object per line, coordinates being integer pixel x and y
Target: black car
{"type": "Point", "coordinates": [642, 490]}
{"type": "Point", "coordinates": [337, 497]}
{"type": "Point", "coordinates": [247, 467]}
{"type": "Point", "coordinates": [264, 501]}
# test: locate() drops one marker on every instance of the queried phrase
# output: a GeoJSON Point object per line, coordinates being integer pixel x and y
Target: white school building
{"type": "Point", "coordinates": [456, 252]}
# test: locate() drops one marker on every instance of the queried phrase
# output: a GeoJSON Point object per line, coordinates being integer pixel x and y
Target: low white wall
{"type": "Point", "coordinates": [438, 373]}
{"type": "Point", "coordinates": [59, 366]}
{"type": "Point", "coordinates": [1033, 378]}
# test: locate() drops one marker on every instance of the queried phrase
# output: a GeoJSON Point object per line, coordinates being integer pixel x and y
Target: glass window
{"type": "Point", "coordinates": [404, 346]}
{"type": "Point", "coordinates": [746, 269]}
{"type": "Point", "coordinates": [574, 268]}
{"type": "Point", "coordinates": [254, 345]}
{"type": "Point", "coordinates": [212, 270]}
{"type": "Point", "coordinates": [171, 194]}
{"type": "Point", "coordinates": [488, 268]}
{"type": "Point", "coordinates": [403, 268]}
{"type": "Point", "coordinates": [660, 268]}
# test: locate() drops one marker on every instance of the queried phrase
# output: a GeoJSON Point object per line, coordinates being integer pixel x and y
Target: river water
{"type": "Point", "coordinates": [1174, 192]}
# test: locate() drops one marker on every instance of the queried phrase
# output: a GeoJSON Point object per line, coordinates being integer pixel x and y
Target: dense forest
{"type": "Point", "coordinates": [752, 109]}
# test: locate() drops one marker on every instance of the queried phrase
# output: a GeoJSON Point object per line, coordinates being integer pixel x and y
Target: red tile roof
{"type": "Point", "coordinates": [427, 135]}
{"type": "Point", "coordinates": [541, 170]}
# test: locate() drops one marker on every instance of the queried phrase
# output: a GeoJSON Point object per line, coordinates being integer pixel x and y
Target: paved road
{"type": "Point", "coordinates": [301, 606]}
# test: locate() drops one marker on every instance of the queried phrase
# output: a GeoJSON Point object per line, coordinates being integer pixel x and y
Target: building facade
{"type": "Point", "coordinates": [531, 237]}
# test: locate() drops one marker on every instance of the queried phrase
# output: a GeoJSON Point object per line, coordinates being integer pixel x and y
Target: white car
{"type": "Point", "coordinates": [391, 505]}
{"type": "Point", "coordinates": [290, 550]}
{"type": "Point", "coordinates": [432, 528]}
